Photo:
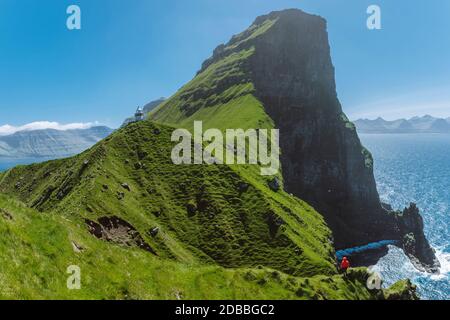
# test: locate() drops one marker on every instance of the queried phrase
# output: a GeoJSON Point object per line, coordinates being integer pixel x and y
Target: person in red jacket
{"type": "Point", "coordinates": [345, 264]}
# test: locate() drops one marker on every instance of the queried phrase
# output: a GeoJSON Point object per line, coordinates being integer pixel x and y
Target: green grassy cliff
{"type": "Point", "coordinates": [38, 247]}
{"type": "Point", "coordinates": [141, 227]}
{"type": "Point", "coordinates": [200, 211]}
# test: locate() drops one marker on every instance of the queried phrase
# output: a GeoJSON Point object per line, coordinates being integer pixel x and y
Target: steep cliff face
{"type": "Point", "coordinates": [289, 67]}
{"type": "Point", "coordinates": [282, 63]}
{"type": "Point", "coordinates": [323, 159]}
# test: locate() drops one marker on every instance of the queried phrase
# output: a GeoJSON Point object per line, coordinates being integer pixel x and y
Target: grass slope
{"type": "Point", "coordinates": [205, 235]}
{"type": "Point", "coordinates": [226, 249]}
{"type": "Point", "coordinates": [200, 211]}
{"type": "Point", "coordinates": [36, 250]}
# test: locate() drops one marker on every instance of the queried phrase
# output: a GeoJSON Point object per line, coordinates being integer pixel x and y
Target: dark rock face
{"type": "Point", "coordinates": [322, 157]}
{"type": "Point", "coordinates": [414, 242]}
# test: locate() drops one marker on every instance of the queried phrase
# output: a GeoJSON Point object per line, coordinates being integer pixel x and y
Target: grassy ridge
{"type": "Point", "coordinates": [37, 249]}
{"type": "Point", "coordinates": [227, 226]}
{"type": "Point", "coordinates": [225, 250]}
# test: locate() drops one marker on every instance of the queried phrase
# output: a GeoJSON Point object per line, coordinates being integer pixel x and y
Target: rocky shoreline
{"type": "Point", "coordinates": [411, 240]}
{"type": "Point", "coordinates": [414, 242]}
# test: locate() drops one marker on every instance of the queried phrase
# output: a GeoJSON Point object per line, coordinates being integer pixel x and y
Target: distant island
{"type": "Point", "coordinates": [50, 143]}
{"type": "Point", "coordinates": [425, 124]}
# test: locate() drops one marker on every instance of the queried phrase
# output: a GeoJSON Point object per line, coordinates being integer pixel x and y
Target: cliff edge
{"type": "Point", "coordinates": [283, 61]}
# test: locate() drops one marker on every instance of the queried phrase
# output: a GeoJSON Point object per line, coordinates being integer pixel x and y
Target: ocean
{"type": "Point", "coordinates": [8, 163]}
{"type": "Point", "coordinates": [416, 168]}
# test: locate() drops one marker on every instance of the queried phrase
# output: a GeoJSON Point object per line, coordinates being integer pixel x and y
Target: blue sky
{"type": "Point", "coordinates": [131, 52]}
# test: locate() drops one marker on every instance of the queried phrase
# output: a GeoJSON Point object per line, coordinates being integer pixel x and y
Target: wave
{"type": "Point", "coordinates": [444, 259]}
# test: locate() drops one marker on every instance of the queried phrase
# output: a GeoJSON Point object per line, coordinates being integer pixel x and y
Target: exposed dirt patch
{"type": "Point", "coordinates": [117, 230]}
{"type": "Point", "coordinates": [5, 214]}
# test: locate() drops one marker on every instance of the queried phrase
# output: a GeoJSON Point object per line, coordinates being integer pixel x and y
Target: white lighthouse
{"type": "Point", "coordinates": [139, 114]}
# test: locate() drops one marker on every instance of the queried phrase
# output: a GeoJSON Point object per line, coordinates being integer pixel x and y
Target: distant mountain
{"type": "Point", "coordinates": [425, 124]}
{"type": "Point", "coordinates": [50, 143]}
{"type": "Point", "coordinates": [147, 108]}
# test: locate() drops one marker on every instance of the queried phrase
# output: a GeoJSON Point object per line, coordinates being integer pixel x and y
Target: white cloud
{"type": "Point", "coordinates": [42, 125]}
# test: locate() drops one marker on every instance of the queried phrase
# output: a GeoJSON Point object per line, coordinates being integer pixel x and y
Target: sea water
{"type": "Point", "coordinates": [416, 168]}
{"type": "Point", "coordinates": [8, 163]}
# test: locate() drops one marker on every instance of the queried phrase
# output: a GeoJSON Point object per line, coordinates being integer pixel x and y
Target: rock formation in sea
{"type": "Point", "coordinates": [414, 243]}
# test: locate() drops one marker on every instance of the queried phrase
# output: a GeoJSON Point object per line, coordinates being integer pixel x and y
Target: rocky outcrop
{"type": "Point", "coordinates": [322, 157]}
{"type": "Point", "coordinates": [414, 242]}
{"type": "Point", "coordinates": [117, 230]}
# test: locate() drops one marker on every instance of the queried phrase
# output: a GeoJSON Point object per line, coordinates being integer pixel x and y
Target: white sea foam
{"type": "Point", "coordinates": [396, 266]}
{"type": "Point", "coordinates": [444, 259]}
{"type": "Point", "coordinates": [415, 168]}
